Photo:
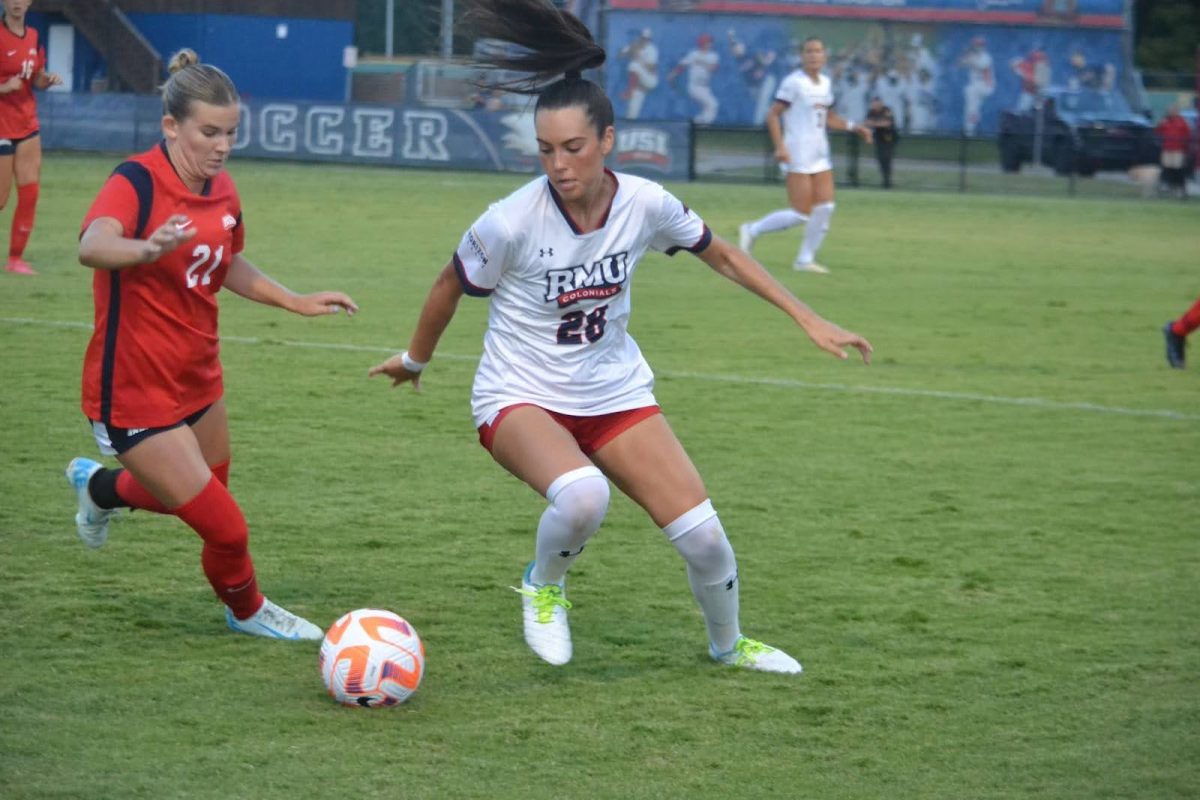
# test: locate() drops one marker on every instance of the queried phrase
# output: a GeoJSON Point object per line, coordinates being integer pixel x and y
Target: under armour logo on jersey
{"type": "Point", "coordinates": [229, 222]}
{"type": "Point", "coordinates": [547, 251]}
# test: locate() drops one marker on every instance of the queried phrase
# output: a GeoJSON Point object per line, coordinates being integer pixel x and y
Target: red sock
{"type": "Point", "coordinates": [22, 221]}
{"type": "Point", "coordinates": [226, 560]}
{"type": "Point", "coordinates": [1188, 322]}
{"type": "Point", "coordinates": [136, 495]}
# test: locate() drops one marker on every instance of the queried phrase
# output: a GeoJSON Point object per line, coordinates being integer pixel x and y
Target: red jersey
{"type": "Point", "coordinates": [153, 357]}
{"type": "Point", "coordinates": [19, 55]}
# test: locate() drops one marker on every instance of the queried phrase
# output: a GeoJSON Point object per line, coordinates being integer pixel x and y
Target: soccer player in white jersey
{"type": "Point", "coordinates": [563, 398]}
{"type": "Point", "coordinates": [804, 104]}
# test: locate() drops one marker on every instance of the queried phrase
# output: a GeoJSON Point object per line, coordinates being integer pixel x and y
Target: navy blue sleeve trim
{"type": "Point", "coordinates": [143, 185]}
{"type": "Point", "coordinates": [468, 287]}
{"type": "Point", "coordinates": [698, 248]}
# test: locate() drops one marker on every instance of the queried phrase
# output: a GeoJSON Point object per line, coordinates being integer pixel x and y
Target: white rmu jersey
{"type": "Point", "coordinates": [808, 103]}
{"type": "Point", "coordinates": [557, 325]}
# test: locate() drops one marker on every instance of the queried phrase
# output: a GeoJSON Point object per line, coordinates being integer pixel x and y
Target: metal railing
{"type": "Point", "coordinates": [921, 162]}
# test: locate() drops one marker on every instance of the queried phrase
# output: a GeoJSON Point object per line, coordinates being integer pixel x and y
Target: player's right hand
{"type": "Point", "coordinates": [175, 231]}
{"type": "Point", "coordinates": [782, 155]}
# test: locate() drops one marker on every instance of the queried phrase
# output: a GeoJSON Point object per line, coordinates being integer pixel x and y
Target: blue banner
{"type": "Point", "coordinates": [948, 78]}
{"type": "Point", "coordinates": [500, 139]}
{"type": "Point", "coordinates": [1028, 12]}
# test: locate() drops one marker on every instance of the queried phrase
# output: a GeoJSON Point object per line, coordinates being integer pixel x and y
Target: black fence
{"type": "Point", "coordinates": [931, 162]}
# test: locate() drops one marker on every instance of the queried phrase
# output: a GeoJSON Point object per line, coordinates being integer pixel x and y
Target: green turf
{"type": "Point", "coordinates": [982, 547]}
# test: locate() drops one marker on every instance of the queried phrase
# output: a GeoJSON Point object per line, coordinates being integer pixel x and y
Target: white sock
{"type": "Point", "coordinates": [779, 220]}
{"type": "Point", "coordinates": [814, 232]}
{"type": "Point", "coordinates": [578, 502]}
{"type": "Point", "coordinates": [712, 571]}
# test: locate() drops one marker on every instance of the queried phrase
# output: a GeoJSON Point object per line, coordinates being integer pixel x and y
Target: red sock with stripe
{"type": "Point", "coordinates": [22, 221]}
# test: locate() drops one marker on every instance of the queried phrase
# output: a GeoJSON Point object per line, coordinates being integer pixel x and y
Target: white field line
{"type": "Point", "coordinates": [783, 383]}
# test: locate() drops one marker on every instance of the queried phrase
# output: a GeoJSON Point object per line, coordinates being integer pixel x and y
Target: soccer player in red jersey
{"type": "Point", "coordinates": [163, 236]}
{"type": "Point", "coordinates": [22, 69]}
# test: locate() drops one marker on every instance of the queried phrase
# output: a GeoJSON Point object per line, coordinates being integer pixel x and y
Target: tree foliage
{"type": "Point", "coordinates": [1167, 34]}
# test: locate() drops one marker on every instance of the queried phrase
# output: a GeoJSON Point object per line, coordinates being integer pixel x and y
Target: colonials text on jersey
{"type": "Point", "coordinates": [603, 279]}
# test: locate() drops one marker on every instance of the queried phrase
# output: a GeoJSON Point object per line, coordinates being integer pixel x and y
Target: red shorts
{"type": "Point", "coordinates": [591, 433]}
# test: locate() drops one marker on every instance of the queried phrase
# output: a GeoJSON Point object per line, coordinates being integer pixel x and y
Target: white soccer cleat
{"type": "Point", "coordinates": [545, 615]}
{"type": "Point", "coordinates": [745, 237]}
{"type": "Point", "coordinates": [274, 622]}
{"type": "Point", "coordinates": [91, 521]}
{"type": "Point", "coordinates": [753, 654]}
{"type": "Point", "coordinates": [811, 266]}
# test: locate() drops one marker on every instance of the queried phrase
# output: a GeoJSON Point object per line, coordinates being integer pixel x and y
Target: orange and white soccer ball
{"type": "Point", "coordinates": [372, 658]}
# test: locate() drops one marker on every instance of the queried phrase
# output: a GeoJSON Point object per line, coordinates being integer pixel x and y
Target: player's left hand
{"type": "Point", "coordinates": [319, 303]}
{"type": "Point", "coordinates": [394, 369]}
{"type": "Point", "coordinates": [51, 79]}
{"type": "Point", "coordinates": [833, 340]}
{"type": "Point", "coordinates": [866, 133]}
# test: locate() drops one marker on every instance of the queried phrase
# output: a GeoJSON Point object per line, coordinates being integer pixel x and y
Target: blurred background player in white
{"type": "Point", "coordinates": [163, 236]}
{"type": "Point", "coordinates": [797, 123]}
{"type": "Point", "coordinates": [700, 64]}
{"type": "Point", "coordinates": [757, 70]}
{"type": "Point", "coordinates": [642, 72]}
{"type": "Point", "coordinates": [981, 82]}
{"type": "Point", "coordinates": [563, 398]}
{"type": "Point", "coordinates": [922, 102]}
{"type": "Point", "coordinates": [1034, 72]}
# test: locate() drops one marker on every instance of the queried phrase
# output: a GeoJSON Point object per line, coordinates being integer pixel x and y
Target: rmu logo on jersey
{"type": "Point", "coordinates": [228, 222]}
{"type": "Point", "coordinates": [603, 279]}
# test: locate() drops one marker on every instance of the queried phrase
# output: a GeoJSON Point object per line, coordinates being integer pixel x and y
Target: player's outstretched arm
{"type": "Point", "coordinates": [439, 308]}
{"type": "Point", "coordinates": [743, 270]}
{"type": "Point", "coordinates": [251, 283]}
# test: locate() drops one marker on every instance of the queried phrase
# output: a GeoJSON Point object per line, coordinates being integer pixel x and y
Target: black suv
{"type": "Point", "coordinates": [1077, 130]}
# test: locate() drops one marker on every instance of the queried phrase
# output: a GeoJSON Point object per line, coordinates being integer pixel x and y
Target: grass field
{"type": "Point", "coordinates": [982, 547]}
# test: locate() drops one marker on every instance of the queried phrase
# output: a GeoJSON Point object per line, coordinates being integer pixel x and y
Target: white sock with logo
{"type": "Point", "coordinates": [779, 220]}
{"type": "Point", "coordinates": [578, 502]}
{"type": "Point", "coordinates": [814, 232]}
{"type": "Point", "coordinates": [712, 571]}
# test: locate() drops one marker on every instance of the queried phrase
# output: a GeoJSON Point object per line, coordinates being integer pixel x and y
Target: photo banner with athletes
{"type": "Point", "coordinates": [937, 77]}
{"type": "Point", "coordinates": [499, 139]}
{"type": "Point", "coordinates": [1097, 13]}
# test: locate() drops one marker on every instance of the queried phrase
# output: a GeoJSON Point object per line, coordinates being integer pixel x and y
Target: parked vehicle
{"type": "Point", "coordinates": [1077, 130]}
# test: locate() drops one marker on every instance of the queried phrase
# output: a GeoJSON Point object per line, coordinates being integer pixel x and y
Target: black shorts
{"type": "Point", "coordinates": [9, 146]}
{"type": "Point", "coordinates": [114, 441]}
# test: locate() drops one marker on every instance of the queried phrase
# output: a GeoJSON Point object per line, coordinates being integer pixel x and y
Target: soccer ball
{"type": "Point", "coordinates": [371, 658]}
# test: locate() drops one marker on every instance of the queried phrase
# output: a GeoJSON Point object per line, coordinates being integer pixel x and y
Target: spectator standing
{"type": "Point", "coordinates": [1173, 133]}
{"type": "Point", "coordinates": [882, 123]}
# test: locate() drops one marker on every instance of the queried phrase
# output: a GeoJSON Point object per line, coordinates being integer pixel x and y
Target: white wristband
{"type": "Point", "coordinates": [410, 364]}
{"type": "Point", "coordinates": [850, 126]}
